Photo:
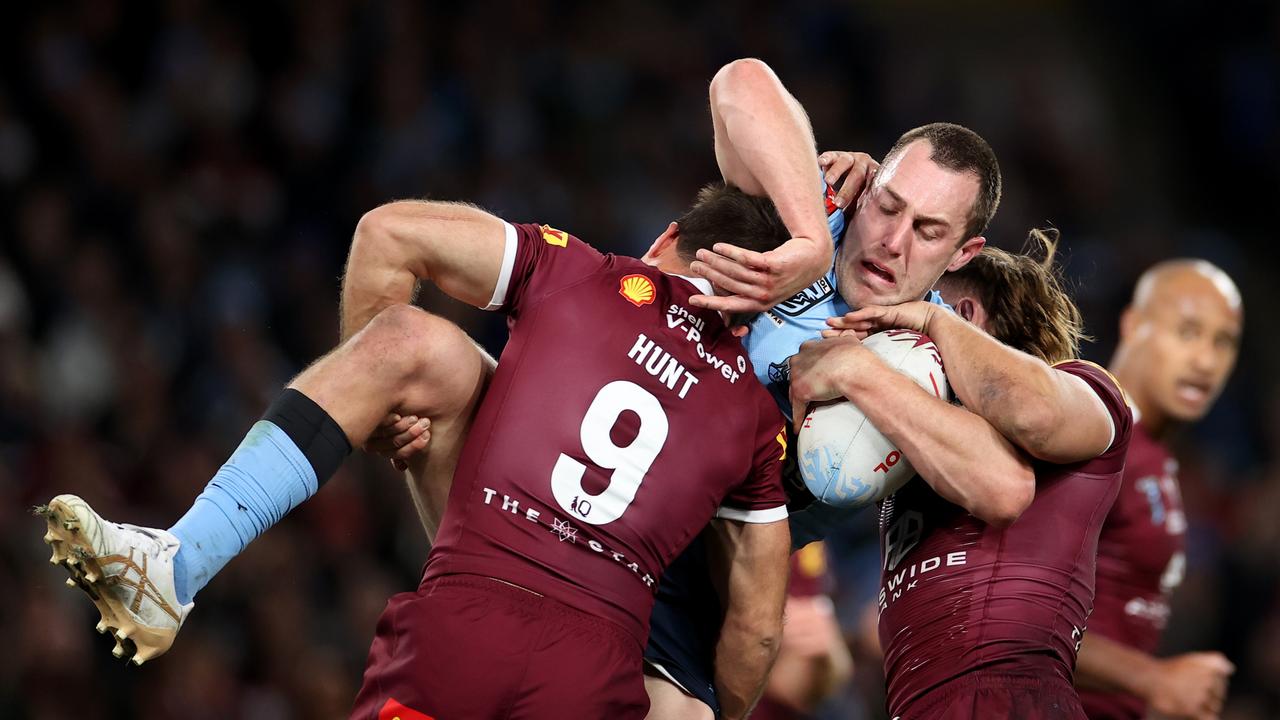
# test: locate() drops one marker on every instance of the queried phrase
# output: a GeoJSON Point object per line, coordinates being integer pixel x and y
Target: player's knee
{"type": "Point", "coordinates": [419, 346]}
{"type": "Point", "coordinates": [400, 319]}
{"type": "Point", "coordinates": [394, 340]}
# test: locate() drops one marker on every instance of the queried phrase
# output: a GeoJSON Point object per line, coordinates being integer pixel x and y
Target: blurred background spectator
{"type": "Point", "coordinates": [179, 182]}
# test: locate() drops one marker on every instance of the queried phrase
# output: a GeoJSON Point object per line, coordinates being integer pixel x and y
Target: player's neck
{"type": "Point", "coordinates": [669, 263]}
{"type": "Point", "coordinates": [1157, 423]}
{"type": "Point", "coordinates": [1129, 373]}
{"type": "Point", "coordinates": [1154, 420]}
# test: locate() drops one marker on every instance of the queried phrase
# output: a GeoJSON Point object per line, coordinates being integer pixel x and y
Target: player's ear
{"type": "Point", "coordinates": [964, 308]}
{"type": "Point", "coordinates": [1128, 323]}
{"type": "Point", "coordinates": [662, 244]}
{"type": "Point", "coordinates": [966, 252]}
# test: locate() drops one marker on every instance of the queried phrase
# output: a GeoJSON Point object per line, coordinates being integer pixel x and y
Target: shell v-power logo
{"type": "Point", "coordinates": [637, 289]}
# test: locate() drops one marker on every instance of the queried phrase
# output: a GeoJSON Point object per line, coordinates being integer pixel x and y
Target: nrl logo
{"type": "Point", "coordinates": [780, 372]}
{"type": "Point", "coordinates": [806, 298]}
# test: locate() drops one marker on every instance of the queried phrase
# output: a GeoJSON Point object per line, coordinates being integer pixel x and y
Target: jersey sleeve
{"type": "Point", "coordinates": [1112, 397]}
{"type": "Point", "coordinates": [761, 497]}
{"type": "Point", "coordinates": [537, 261]}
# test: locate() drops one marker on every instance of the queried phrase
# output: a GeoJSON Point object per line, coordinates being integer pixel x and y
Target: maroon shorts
{"type": "Point", "coordinates": [465, 647]}
{"type": "Point", "coordinates": [981, 696]}
{"type": "Point", "coordinates": [1112, 706]}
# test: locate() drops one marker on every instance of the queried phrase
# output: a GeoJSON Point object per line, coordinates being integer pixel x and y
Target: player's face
{"type": "Point", "coordinates": [907, 230]}
{"type": "Point", "coordinates": [1187, 339]}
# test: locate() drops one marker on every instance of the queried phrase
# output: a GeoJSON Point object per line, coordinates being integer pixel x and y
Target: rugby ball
{"type": "Point", "coordinates": [844, 460]}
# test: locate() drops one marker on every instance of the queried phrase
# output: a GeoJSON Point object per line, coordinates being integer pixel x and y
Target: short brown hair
{"type": "Point", "coordinates": [1024, 297]}
{"type": "Point", "coordinates": [957, 148]}
{"type": "Point", "coordinates": [723, 213]}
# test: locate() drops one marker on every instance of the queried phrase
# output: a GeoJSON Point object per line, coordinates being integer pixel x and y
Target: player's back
{"type": "Point", "coordinates": [619, 421]}
{"type": "Point", "coordinates": [960, 597]}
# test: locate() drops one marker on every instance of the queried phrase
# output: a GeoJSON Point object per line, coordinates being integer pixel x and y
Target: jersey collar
{"type": "Point", "coordinates": [703, 284]}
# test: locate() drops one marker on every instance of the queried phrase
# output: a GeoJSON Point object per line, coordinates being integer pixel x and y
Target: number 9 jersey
{"type": "Point", "coordinates": [619, 421]}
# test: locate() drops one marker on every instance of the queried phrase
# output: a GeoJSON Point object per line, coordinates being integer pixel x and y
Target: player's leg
{"type": "Point", "coordinates": [143, 580]}
{"type": "Point", "coordinates": [684, 626]}
{"type": "Point", "coordinates": [668, 702]}
{"type": "Point", "coordinates": [455, 401]}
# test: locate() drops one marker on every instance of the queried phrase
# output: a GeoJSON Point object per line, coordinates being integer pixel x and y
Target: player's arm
{"type": "Point", "coordinates": [1052, 415]}
{"type": "Point", "coordinates": [962, 457]}
{"type": "Point", "coordinates": [750, 561]}
{"type": "Point", "coordinates": [764, 145]}
{"type": "Point", "coordinates": [458, 247]}
{"type": "Point", "coordinates": [1184, 686]}
{"type": "Point", "coordinates": [814, 660]}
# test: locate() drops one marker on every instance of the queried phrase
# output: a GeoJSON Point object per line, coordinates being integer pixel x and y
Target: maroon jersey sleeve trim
{"type": "Point", "coordinates": [765, 515]}
{"type": "Point", "coordinates": [508, 263]}
{"type": "Point", "coordinates": [1075, 366]}
{"type": "Point", "coordinates": [1111, 421]}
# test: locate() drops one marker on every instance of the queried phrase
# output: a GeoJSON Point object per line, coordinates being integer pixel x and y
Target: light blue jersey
{"type": "Point", "coordinates": [776, 335]}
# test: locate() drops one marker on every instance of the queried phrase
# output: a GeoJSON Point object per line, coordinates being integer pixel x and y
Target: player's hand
{"type": "Point", "coordinates": [817, 372]}
{"type": "Point", "coordinates": [872, 319]}
{"type": "Point", "coordinates": [849, 173]}
{"type": "Point", "coordinates": [400, 437]}
{"type": "Point", "coordinates": [1192, 686]}
{"type": "Point", "coordinates": [757, 281]}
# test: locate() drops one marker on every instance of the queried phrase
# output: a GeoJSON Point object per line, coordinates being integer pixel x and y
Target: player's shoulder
{"type": "Point", "coordinates": [1100, 380]}
{"type": "Point", "coordinates": [550, 239]}
{"type": "Point", "coordinates": [1114, 399]}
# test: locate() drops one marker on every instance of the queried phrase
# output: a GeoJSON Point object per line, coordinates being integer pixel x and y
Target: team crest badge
{"type": "Point", "coordinates": [552, 236]}
{"type": "Point", "coordinates": [637, 289]}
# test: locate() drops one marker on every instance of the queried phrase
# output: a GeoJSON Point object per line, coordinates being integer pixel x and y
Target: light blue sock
{"type": "Point", "coordinates": [265, 478]}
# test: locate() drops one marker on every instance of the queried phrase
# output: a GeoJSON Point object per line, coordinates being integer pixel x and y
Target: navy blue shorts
{"type": "Point", "coordinates": [685, 625]}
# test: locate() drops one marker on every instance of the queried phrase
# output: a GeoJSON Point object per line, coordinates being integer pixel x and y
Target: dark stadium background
{"type": "Point", "coordinates": [179, 183]}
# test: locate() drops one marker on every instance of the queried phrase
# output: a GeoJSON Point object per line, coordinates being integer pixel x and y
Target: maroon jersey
{"type": "Point", "coordinates": [959, 597]}
{"type": "Point", "coordinates": [1140, 562]}
{"type": "Point", "coordinates": [620, 420]}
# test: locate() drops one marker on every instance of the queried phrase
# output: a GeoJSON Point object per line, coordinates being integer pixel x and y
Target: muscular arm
{"type": "Point", "coordinates": [457, 247]}
{"type": "Point", "coordinates": [1052, 415]}
{"type": "Point", "coordinates": [962, 457]}
{"type": "Point", "coordinates": [764, 145]}
{"type": "Point", "coordinates": [814, 660]}
{"type": "Point", "coordinates": [750, 562]}
{"type": "Point", "coordinates": [1106, 665]}
{"type": "Point", "coordinates": [1192, 685]}
{"type": "Point", "coordinates": [959, 454]}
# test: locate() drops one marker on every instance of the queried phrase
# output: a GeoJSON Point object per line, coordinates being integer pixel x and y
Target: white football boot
{"type": "Point", "coordinates": [126, 570]}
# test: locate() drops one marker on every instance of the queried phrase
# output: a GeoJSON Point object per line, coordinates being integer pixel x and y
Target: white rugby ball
{"type": "Point", "coordinates": [844, 460]}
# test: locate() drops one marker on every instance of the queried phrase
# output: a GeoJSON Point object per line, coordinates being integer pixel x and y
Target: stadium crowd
{"type": "Point", "coordinates": [180, 181]}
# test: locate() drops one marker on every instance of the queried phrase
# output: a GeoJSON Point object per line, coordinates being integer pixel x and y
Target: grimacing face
{"type": "Point", "coordinates": [1187, 340]}
{"type": "Point", "coordinates": [906, 230]}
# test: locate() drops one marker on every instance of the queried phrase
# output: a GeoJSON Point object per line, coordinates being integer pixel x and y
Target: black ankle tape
{"type": "Point", "coordinates": [312, 430]}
